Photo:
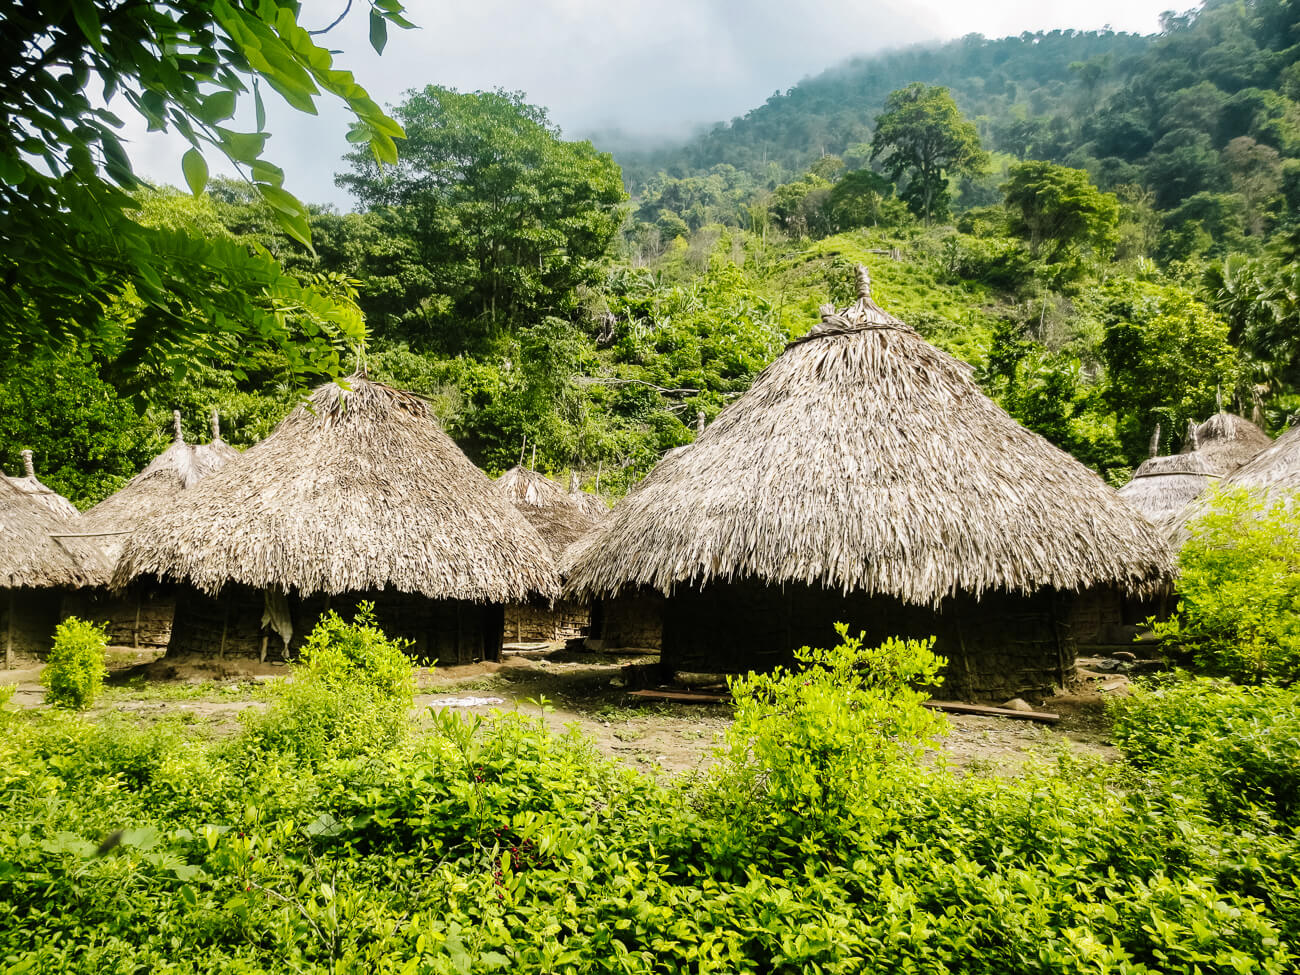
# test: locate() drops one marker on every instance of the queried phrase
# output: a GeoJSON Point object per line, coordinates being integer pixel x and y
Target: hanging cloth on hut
{"type": "Point", "coordinates": [276, 615]}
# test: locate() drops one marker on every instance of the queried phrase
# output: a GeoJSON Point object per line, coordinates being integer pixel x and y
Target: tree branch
{"type": "Point", "coordinates": [337, 20]}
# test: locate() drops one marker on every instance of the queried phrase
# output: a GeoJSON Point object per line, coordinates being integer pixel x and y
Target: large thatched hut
{"type": "Point", "coordinates": [47, 497]}
{"type": "Point", "coordinates": [141, 616]}
{"type": "Point", "coordinates": [357, 494]}
{"type": "Point", "coordinates": [561, 518]}
{"type": "Point", "coordinates": [35, 569]}
{"type": "Point", "coordinates": [865, 478]}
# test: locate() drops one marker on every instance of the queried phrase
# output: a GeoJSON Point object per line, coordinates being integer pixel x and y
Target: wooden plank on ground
{"type": "Point", "coordinates": [960, 707]}
{"type": "Point", "coordinates": [681, 697]}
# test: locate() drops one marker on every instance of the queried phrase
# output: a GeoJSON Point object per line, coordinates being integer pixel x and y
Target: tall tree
{"type": "Point", "coordinates": [1058, 210]}
{"type": "Point", "coordinates": [70, 251]}
{"type": "Point", "coordinates": [923, 139]}
{"type": "Point", "coordinates": [511, 219]}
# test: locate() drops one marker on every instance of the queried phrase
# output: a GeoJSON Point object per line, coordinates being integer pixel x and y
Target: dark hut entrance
{"type": "Point", "coordinates": [27, 621]}
{"type": "Point", "coordinates": [230, 625]}
{"type": "Point", "coordinates": [998, 646]}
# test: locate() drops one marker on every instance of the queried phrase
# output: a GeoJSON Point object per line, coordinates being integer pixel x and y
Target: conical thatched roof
{"type": "Point", "coordinates": [180, 466]}
{"type": "Point", "coordinates": [1275, 469]}
{"type": "Point", "coordinates": [30, 485]}
{"type": "Point", "coordinates": [556, 515]}
{"type": "Point", "coordinates": [866, 459]}
{"type": "Point", "coordinates": [1227, 441]}
{"type": "Point", "coordinates": [30, 557]}
{"type": "Point", "coordinates": [1163, 486]}
{"type": "Point", "coordinates": [354, 491]}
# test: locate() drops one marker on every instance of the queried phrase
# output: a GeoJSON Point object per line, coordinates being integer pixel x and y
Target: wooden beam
{"type": "Point", "coordinates": [681, 697]}
{"type": "Point", "coordinates": [960, 707]}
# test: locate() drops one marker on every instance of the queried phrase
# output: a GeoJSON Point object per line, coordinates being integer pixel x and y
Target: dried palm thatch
{"type": "Point", "coordinates": [558, 516]}
{"type": "Point", "coordinates": [1275, 469]}
{"type": "Point", "coordinates": [357, 490]}
{"type": "Point", "coordinates": [30, 557]}
{"type": "Point", "coordinates": [1163, 486]}
{"type": "Point", "coordinates": [216, 452]}
{"type": "Point", "coordinates": [865, 459]}
{"type": "Point", "coordinates": [51, 500]}
{"type": "Point", "coordinates": [153, 490]}
{"type": "Point", "coordinates": [1227, 441]}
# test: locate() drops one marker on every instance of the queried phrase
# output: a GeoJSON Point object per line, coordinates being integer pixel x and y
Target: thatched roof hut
{"type": "Point", "coordinates": [32, 559]}
{"type": "Point", "coordinates": [357, 490]}
{"type": "Point", "coordinates": [866, 462]}
{"type": "Point", "coordinates": [865, 458]}
{"type": "Point", "coordinates": [559, 517]}
{"type": "Point", "coordinates": [1162, 487]}
{"type": "Point", "coordinates": [47, 497]}
{"type": "Point", "coordinates": [1275, 469]}
{"type": "Point", "coordinates": [180, 466]}
{"type": "Point", "coordinates": [1226, 441]}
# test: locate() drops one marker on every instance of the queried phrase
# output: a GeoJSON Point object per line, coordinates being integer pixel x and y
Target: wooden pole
{"type": "Point", "coordinates": [135, 630]}
{"type": "Point", "coordinates": [225, 622]}
{"type": "Point", "coordinates": [9, 634]}
{"type": "Point", "coordinates": [965, 656]}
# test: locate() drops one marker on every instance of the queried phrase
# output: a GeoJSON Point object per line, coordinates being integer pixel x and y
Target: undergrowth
{"type": "Point", "coordinates": [320, 841]}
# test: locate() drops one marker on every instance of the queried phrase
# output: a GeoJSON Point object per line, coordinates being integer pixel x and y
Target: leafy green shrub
{"type": "Point", "coordinates": [1236, 747]}
{"type": "Point", "coordinates": [1239, 589]}
{"type": "Point", "coordinates": [809, 746]}
{"type": "Point", "coordinates": [349, 694]}
{"type": "Point", "coordinates": [6, 693]}
{"type": "Point", "coordinates": [75, 670]}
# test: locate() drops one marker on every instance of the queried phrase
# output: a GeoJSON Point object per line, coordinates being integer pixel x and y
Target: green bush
{"type": "Point", "coordinates": [808, 746]}
{"type": "Point", "coordinates": [75, 670]}
{"type": "Point", "coordinates": [349, 693]}
{"type": "Point", "coordinates": [1238, 589]}
{"type": "Point", "coordinates": [1236, 747]}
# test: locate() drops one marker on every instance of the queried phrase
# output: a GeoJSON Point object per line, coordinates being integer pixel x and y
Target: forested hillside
{"type": "Point", "coordinates": [1103, 225]}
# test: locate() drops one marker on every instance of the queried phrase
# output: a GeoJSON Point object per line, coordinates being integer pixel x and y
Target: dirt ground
{"type": "Point", "coordinates": [577, 689]}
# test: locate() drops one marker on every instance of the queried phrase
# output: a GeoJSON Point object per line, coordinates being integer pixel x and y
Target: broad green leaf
{"type": "Point", "coordinates": [87, 18]}
{"type": "Point", "coordinates": [217, 107]}
{"type": "Point", "coordinates": [195, 168]}
{"type": "Point", "coordinates": [243, 147]}
{"type": "Point", "coordinates": [259, 109]}
{"type": "Point", "coordinates": [378, 31]}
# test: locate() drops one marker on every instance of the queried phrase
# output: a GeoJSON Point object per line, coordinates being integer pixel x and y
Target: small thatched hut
{"type": "Point", "coordinates": [865, 478]}
{"type": "Point", "coordinates": [561, 519]}
{"type": "Point", "coordinates": [35, 569]}
{"type": "Point", "coordinates": [1226, 442]}
{"type": "Point", "coordinates": [47, 497]}
{"type": "Point", "coordinates": [142, 615]}
{"type": "Point", "coordinates": [357, 494]}
{"type": "Point", "coordinates": [1162, 487]}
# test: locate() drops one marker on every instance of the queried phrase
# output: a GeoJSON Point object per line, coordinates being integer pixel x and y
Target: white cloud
{"type": "Point", "coordinates": [649, 69]}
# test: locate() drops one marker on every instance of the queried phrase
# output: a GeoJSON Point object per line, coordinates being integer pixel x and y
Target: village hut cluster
{"type": "Point", "coordinates": [864, 479]}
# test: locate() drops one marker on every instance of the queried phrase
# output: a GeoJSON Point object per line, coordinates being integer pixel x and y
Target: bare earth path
{"type": "Point", "coordinates": [586, 690]}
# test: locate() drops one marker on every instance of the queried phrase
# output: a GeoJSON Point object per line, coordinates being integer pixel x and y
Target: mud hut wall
{"type": "Point", "coordinates": [630, 621]}
{"type": "Point", "coordinates": [27, 621]}
{"type": "Point", "coordinates": [1105, 618]}
{"type": "Point", "coordinates": [998, 647]}
{"type": "Point", "coordinates": [450, 631]}
{"type": "Point", "coordinates": [536, 621]}
{"type": "Point", "coordinates": [141, 617]}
